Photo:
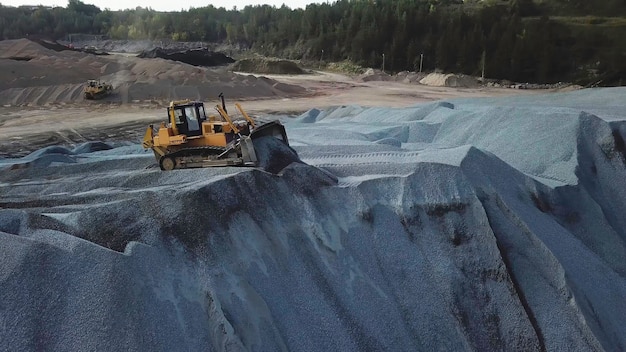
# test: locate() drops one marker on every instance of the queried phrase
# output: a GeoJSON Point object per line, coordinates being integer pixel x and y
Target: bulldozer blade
{"type": "Point", "coordinates": [274, 129]}
{"type": "Point", "coordinates": [248, 153]}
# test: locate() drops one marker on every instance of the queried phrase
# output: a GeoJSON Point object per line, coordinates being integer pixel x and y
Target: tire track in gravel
{"type": "Point", "coordinates": [362, 158]}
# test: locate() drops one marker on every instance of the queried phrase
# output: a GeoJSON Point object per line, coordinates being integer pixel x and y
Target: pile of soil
{"type": "Point", "coordinates": [450, 80]}
{"type": "Point", "coordinates": [404, 76]}
{"type": "Point", "coordinates": [33, 75]}
{"type": "Point", "coordinates": [195, 57]}
{"type": "Point", "coordinates": [375, 75]}
{"type": "Point", "coordinates": [432, 79]}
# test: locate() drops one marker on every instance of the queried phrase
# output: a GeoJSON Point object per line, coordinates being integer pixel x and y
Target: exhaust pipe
{"type": "Point", "coordinates": [223, 103]}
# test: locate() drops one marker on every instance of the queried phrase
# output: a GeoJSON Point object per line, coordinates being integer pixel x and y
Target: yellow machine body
{"type": "Point", "coordinates": [94, 89]}
{"type": "Point", "coordinates": [191, 139]}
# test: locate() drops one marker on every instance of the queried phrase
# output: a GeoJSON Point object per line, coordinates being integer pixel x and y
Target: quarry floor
{"type": "Point", "coordinates": [28, 128]}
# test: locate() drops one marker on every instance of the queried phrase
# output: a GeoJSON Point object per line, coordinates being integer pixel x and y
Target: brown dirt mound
{"type": "Point", "coordinates": [449, 80]}
{"type": "Point", "coordinates": [266, 66]}
{"type": "Point", "coordinates": [42, 76]}
{"type": "Point", "coordinates": [21, 48]}
{"type": "Point", "coordinates": [196, 57]}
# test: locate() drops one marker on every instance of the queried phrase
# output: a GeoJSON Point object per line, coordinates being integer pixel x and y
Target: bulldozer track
{"type": "Point", "coordinates": [208, 150]}
{"type": "Point", "coordinates": [200, 157]}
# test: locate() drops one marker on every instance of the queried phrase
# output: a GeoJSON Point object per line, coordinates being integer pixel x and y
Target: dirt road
{"type": "Point", "coordinates": [23, 130]}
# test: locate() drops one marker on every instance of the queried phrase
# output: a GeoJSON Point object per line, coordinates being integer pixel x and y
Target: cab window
{"type": "Point", "coordinates": [178, 115]}
{"type": "Point", "coordinates": [202, 113]}
{"type": "Point", "coordinates": [192, 119]}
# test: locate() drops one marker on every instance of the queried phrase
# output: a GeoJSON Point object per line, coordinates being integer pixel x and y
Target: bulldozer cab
{"type": "Point", "coordinates": [188, 118]}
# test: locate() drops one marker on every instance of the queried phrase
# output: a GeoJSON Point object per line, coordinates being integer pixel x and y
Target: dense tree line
{"type": "Point", "coordinates": [516, 39]}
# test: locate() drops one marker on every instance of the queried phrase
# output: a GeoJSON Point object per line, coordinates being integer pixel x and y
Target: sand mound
{"type": "Point", "coordinates": [21, 48]}
{"type": "Point", "coordinates": [449, 80]}
{"type": "Point", "coordinates": [410, 77]}
{"type": "Point", "coordinates": [33, 75]}
{"type": "Point", "coordinates": [432, 79]}
{"type": "Point", "coordinates": [375, 75]}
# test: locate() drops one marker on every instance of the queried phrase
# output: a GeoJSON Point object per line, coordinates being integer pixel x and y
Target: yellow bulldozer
{"type": "Point", "coordinates": [191, 139]}
{"type": "Point", "coordinates": [95, 89]}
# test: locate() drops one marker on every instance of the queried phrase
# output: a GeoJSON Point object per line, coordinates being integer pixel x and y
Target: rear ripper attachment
{"type": "Point", "coordinates": [190, 139]}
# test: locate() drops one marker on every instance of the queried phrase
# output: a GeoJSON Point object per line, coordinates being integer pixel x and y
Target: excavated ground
{"type": "Point", "coordinates": [403, 223]}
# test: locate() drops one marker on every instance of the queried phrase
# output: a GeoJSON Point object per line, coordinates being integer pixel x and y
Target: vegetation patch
{"type": "Point", "coordinates": [346, 66]}
{"type": "Point", "coordinates": [532, 41]}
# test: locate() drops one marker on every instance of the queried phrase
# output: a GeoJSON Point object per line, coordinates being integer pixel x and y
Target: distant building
{"type": "Point", "coordinates": [34, 8]}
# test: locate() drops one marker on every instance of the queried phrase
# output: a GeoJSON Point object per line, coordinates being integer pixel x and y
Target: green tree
{"type": "Point", "coordinates": [82, 8]}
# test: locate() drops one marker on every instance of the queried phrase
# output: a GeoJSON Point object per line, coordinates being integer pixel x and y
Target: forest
{"type": "Point", "coordinates": [546, 41]}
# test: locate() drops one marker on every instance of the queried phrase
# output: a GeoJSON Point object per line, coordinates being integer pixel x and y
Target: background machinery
{"type": "Point", "coordinates": [94, 89]}
{"type": "Point", "coordinates": [191, 139]}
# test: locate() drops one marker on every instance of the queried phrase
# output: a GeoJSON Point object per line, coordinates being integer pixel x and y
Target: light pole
{"type": "Point", "coordinates": [484, 58]}
{"type": "Point", "coordinates": [383, 62]}
{"type": "Point", "coordinates": [421, 61]}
